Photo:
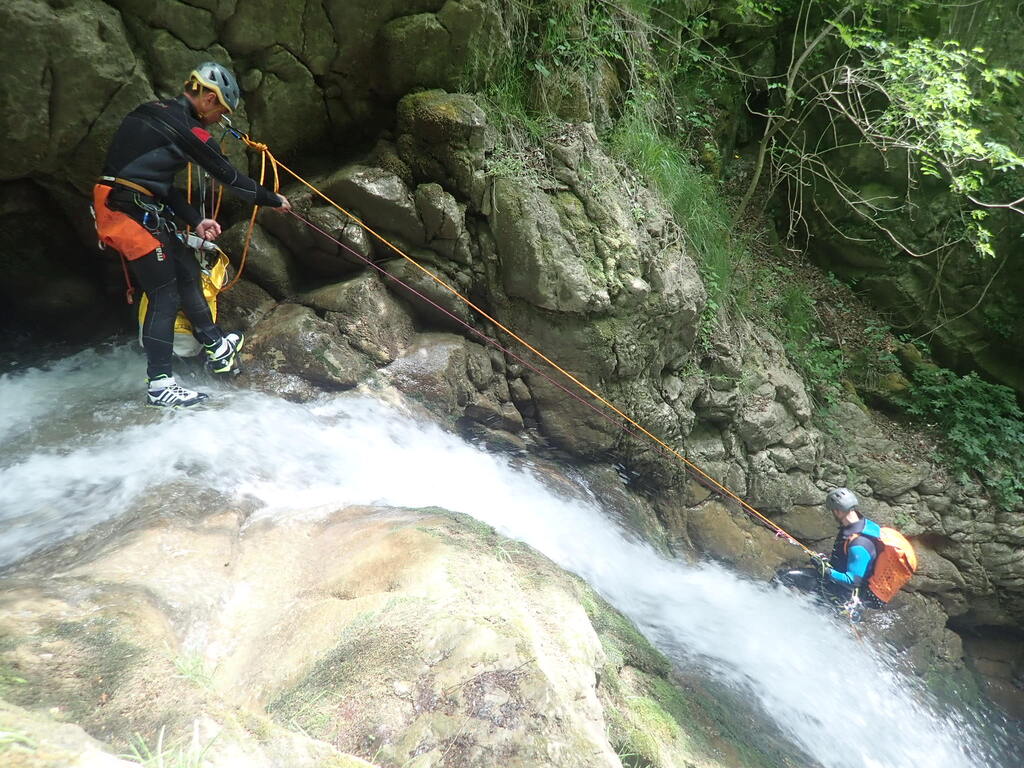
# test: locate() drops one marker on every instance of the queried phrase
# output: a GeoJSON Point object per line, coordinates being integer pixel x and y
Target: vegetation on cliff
{"type": "Point", "coordinates": [678, 90]}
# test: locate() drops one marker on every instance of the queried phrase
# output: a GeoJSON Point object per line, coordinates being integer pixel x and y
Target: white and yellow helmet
{"type": "Point", "coordinates": [218, 79]}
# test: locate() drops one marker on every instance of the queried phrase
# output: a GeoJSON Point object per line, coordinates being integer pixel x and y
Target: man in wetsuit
{"type": "Point", "coordinates": [837, 576]}
{"type": "Point", "coordinates": [854, 551]}
{"type": "Point", "coordinates": [136, 204]}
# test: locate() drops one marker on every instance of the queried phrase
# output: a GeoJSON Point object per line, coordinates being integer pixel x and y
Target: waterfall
{"type": "Point", "coordinates": [78, 448]}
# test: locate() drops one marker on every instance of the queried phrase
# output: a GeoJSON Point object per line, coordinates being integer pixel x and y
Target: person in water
{"type": "Point", "coordinates": [855, 549]}
{"type": "Point", "coordinates": [136, 205]}
{"type": "Point", "coordinates": [844, 573]}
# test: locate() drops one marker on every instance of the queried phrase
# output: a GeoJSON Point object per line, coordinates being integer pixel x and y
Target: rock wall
{"type": "Point", "coordinates": [563, 246]}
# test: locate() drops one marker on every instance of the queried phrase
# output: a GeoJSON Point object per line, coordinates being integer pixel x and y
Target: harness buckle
{"type": "Point", "coordinates": [854, 608]}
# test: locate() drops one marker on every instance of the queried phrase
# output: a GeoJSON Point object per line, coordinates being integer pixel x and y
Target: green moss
{"type": "Point", "coordinates": [470, 524]}
{"type": "Point", "coordinates": [257, 726]}
{"type": "Point", "coordinates": [102, 662]}
{"type": "Point", "coordinates": [652, 727]}
{"type": "Point", "coordinates": [652, 713]}
{"type": "Point", "coordinates": [339, 678]}
{"type": "Point", "coordinates": [469, 534]}
{"type": "Point", "coordinates": [16, 739]}
{"type": "Point", "coordinates": [322, 355]}
{"type": "Point", "coordinates": [620, 639]}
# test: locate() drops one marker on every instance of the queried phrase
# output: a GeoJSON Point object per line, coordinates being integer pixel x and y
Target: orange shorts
{"type": "Point", "coordinates": [119, 230]}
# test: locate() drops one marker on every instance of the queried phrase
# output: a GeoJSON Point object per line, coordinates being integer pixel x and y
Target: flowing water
{"type": "Point", "coordinates": [77, 449]}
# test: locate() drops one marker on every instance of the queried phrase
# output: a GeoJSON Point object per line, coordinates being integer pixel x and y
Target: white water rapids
{"type": "Point", "coordinates": [77, 448]}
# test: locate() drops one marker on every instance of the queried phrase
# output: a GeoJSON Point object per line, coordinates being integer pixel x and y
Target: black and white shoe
{"type": "Point", "coordinates": [223, 356]}
{"type": "Point", "coordinates": [165, 392]}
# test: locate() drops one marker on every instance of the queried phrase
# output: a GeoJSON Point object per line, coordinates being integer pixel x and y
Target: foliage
{"type": "Point", "coordinates": [981, 424]}
{"type": "Point", "coordinates": [936, 94]}
{"type": "Point", "coordinates": [694, 199]}
{"type": "Point", "coordinates": [161, 755]}
{"type": "Point", "coordinates": [873, 358]}
{"type": "Point", "coordinates": [923, 105]}
{"type": "Point", "coordinates": [191, 666]}
{"type": "Point", "coordinates": [852, 78]}
{"type": "Point", "coordinates": [787, 304]}
{"type": "Point", "coordinates": [10, 739]}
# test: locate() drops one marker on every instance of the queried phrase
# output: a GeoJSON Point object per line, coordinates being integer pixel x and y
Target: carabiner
{"type": "Point", "coordinates": [854, 608]}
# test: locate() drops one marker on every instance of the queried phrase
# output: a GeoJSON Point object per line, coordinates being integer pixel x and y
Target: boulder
{"type": "Point", "coordinates": [452, 378]}
{"type": "Point", "coordinates": [85, 78]}
{"type": "Point", "coordinates": [442, 138]}
{"type": "Point", "coordinates": [809, 523]}
{"type": "Point", "coordinates": [454, 46]}
{"type": "Point", "coordinates": [387, 634]}
{"type": "Point", "coordinates": [546, 247]}
{"type": "Point", "coordinates": [33, 740]}
{"type": "Point", "coordinates": [267, 262]}
{"type": "Point", "coordinates": [305, 32]}
{"type": "Point", "coordinates": [773, 491]}
{"type": "Point", "coordinates": [729, 536]}
{"type": "Point", "coordinates": [444, 222]}
{"type": "Point", "coordinates": [384, 201]}
{"type": "Point", "coordinates": [916, 624]}
{"type": "Point", "coordinates": [762, 421]}
{"type": "Point", "coordinates": [242, 306]}
{"type": "Point", "coordinates": [434, 305]}
{"type": "Point", "coordinates": [292, 341]}
{"type": "Point", "coordinates": [370, 318]}
{"type": "Point", "coordinates": [313, 244]}
{"type": "Point", "coordinates": [284, 102]}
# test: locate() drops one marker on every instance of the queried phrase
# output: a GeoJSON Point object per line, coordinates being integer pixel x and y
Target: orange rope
{"type": "Point", "coordinates": [266, 153]}
{"type": "Point", "coordinates": [219, 197]}
{"type": "Point", "coordinates": [188, 187]}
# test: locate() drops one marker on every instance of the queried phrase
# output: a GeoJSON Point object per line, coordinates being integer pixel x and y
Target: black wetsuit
{"type": "Point", "coordinates": [153, 143]}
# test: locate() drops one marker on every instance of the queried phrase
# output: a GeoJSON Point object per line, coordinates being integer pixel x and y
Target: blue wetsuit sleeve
{"type": "Point", "coordinates": [856, 567]}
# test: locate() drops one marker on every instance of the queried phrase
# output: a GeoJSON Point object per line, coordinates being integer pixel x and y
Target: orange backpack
{"type": "Point", "coordinates": [894, 564]}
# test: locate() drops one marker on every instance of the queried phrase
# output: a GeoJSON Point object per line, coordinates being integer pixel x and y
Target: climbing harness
{"type": "Point", "coordinates": [853, 608]}
{"type": "Point", "coordinates": [213, 267]}
{"type": "Point", "coordinates": [126, 183]}
{"type": "Point", "coordinates": [120, 231]}
{"type": "Point", "coordinates": [154, 218]}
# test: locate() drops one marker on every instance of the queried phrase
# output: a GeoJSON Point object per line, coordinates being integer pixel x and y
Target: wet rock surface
{"type": "Point", "coordinates": [389, 634]}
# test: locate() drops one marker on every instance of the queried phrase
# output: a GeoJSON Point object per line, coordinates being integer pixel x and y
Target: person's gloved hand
{"type": "Point", "coordinates": [821, 563]}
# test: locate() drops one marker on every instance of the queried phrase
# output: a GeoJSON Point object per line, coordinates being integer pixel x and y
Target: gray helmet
{"type": "Point", "coordinates": [218, 79]}
{"type": "Point", "coordinates": [842, 499]}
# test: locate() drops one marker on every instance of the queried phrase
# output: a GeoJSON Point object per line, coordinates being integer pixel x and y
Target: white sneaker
{"type": "Point", "coordinates": [165, 392]}
{"type": "Point", "coordinates": [224, 356]}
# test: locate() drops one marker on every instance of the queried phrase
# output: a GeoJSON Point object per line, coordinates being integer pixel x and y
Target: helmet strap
{"type": "Point", "coordinates": [200, 90]}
